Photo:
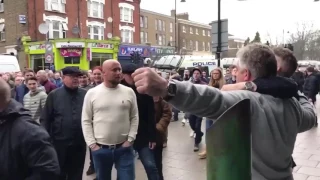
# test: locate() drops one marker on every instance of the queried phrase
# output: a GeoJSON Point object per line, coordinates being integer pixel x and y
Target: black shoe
{"type": "Point", "coordinates": [90, 171]}
{"type": "Point", "coordinates": [196, 148]}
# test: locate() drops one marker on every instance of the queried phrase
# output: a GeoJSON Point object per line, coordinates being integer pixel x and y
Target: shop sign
{"type": "Point", "coordinates": [204, 63]}
{"type": "Point", "coordinates": [71, 52]}
{"type": "Point", "coordinates": [162, 51]}
{"type": "Point", "coordinates": [125, 50]}
{"type": "Point", "coordinates": [70, 45]}
{"type": "Point", "coordinates": [100, 45]}
{"type": "Point", "coordinates": [37, 47]}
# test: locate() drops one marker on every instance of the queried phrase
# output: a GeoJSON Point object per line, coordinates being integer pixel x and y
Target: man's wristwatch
{"type": "Point", "coordinates": [171, 91]}
{"type": "Point", "coordinates": [250, 86]}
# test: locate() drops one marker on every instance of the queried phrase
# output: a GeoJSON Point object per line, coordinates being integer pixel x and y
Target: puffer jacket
{"type": "Point", "coordinates": [35, 101]}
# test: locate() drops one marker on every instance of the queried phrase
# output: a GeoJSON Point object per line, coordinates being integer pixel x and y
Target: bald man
{"type": "Point", "coordinates": [42, 77]}
{"type": "Point", "coordinates": [26, 152]}
{"type": "Point", "coordinates": [110, 123]}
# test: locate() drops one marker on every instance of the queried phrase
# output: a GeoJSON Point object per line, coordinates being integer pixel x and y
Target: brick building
{"type": "Point", "coordinates": [192, 37]}
{"type": "Point", "coordinates": [96, 19]}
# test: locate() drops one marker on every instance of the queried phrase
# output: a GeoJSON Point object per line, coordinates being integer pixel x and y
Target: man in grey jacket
{"type": "Point", "coordinates": [275, 121]}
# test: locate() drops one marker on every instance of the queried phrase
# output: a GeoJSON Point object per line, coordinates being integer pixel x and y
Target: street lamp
{"type": "Point", "coordinates": [176, 27]}
{"type": "Point", "coordinates": [218, 53]}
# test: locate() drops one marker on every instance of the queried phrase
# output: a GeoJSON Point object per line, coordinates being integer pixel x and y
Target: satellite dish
{"type": "Point", "coordinates": [43, 28]}
{"type": "Point", "coordinates": [75, 30]}
{"type": "Point", "coordinates": [109, 35]}
{"type": "Point", "coordinates": [110, 19]}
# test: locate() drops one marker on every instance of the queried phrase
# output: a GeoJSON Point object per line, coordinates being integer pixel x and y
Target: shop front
{"type": "Point", "coordinates": [125, 51]}
{"type": "Point", "coordinates": [81, 53]}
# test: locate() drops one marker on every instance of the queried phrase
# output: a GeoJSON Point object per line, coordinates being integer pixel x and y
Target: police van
{"type": "Point", "coordinates": [9, 63]}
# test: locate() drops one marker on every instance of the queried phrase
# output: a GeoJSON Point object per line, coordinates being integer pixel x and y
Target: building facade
{"type": "Point", "coordinates": [96, 20]}
{"type": "Point", "coordinates": [192, 37]}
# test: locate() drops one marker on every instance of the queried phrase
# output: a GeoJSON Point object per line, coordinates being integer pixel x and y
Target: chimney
{"type": "Point", "coordinates": [184, 16]}
{"type": "Point", "coordinates": [173, 12]}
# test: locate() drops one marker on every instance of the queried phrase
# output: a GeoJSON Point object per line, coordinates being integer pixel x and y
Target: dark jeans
{"type": "Point", "coordinates": [195, 124]}
{"type": "Point", "coordinates": [122, 157]}
{"type": "Point", "coordinates": [71, 159]}
{"type": "Point", "coordinates": [158, 158]}
{"type": "Point", "coordinates": [175, 114]}
{"type": "Point", "coordinates": [91, 160]}
{"type": "Point", "coordinates": [147, 158]}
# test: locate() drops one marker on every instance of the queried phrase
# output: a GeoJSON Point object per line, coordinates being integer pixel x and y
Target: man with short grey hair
{"type": "Point", "coordinates": [42, 77]}
{"type": "Point", "coordinates": [275, 122]}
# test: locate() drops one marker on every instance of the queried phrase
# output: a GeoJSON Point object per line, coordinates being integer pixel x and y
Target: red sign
{"type": "Point", "coordinates": [71, 52]}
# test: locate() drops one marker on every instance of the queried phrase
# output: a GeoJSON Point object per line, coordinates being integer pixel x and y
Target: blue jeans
{"type": "Point", "coordinates": [195, 124]}
{"type": "Point", "coordinates": [123, 159]}
{"type": "Point", "coordinates": [147, 158]}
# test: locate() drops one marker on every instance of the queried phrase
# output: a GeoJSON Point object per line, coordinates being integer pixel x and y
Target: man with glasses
{"type": "Point", "coordinates": [61, 117]}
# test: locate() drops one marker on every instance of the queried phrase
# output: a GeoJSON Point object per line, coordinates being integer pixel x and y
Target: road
{"type": "Point", "coordinates": [181, 163]}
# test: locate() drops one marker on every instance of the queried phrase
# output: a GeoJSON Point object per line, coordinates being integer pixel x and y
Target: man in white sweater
{"type": "Point", "coordinates": [110, 123]}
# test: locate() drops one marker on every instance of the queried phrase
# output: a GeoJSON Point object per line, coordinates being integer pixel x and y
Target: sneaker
{"type": "Point", "coordinates": [183, 121]}
{"type": "Point", "coordinates": [192, 134]}
{"type": "Point", "coordinates": [90, 171]}
{"type": "Point", "coordinates": [196, 148]}
{"type": "Point", "coordinates": [203, 155]}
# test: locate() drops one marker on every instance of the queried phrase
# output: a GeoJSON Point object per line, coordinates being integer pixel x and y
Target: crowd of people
{"type": "Point", "coordinates": [48, 120]}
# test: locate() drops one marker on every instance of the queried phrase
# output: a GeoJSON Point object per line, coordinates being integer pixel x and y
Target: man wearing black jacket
{"type": "Point", "coordinates": [61, 117]}
{"type": "Point", "coordinates": [146, 136]}
{"type": "Point", "coordinates": [26, 152]}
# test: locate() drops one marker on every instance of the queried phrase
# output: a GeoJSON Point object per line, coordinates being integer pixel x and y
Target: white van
{"type": "Point", "coordinates": [9, 63]}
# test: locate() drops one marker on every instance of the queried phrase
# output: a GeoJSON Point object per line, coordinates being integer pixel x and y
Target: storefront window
{"type": "Point", "coordinates": [98, 58]}
{"type": "Point", "coordinates": [71, 60]}
{"type": "Point", "coordinates": [38, 63]}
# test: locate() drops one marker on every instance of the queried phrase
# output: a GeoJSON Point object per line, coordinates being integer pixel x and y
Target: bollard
{"type": "Point", "coordinates": [229, 144]}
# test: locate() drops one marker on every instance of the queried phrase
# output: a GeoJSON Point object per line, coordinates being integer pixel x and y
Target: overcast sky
{"type": "Point", "coordinates": [247, 17]}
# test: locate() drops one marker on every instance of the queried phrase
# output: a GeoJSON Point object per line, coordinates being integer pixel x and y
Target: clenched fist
{"type": "Point", "coordinates": [147, 81]}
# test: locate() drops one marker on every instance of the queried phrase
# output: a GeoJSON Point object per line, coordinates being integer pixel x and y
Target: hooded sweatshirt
{"type": "Point", "coordinates": [35, 101]}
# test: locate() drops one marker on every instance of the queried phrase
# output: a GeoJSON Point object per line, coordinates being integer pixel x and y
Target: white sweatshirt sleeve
{"type": "Point", "coordinates": [87, 118]}
{"type": "Point", "coordinates": [134, 117]}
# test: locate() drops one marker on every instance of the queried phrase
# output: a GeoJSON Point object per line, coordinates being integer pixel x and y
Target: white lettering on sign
{"type": "Point", "coordinates": [130, 49]}
{"type": "Point", "coordinates": [204, 63]}
{"type": "Point", "coordinates": [70, 44]}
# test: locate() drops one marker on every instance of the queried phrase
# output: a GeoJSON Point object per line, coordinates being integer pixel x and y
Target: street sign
{"type": "Point", "coordinates": [49, 58]}
{"type": "Point", "coordinates": [224, 35]}
{"type": "Point", "coordinates": [49, 52]}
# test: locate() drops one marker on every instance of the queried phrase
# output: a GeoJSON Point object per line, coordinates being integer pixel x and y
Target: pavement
{"type": "Point", "coordinates": [181, 163]}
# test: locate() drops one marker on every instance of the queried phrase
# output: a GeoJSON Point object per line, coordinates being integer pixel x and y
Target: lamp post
{"type": "Point", "coordinates": [176, 27]}
{"type": "Point", "coordinates": [218, 53]}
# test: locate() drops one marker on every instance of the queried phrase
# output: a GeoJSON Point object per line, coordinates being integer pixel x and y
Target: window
{"type": "Point", "coordinates": [55, 5]}
{"type": "Point", "coordinates": [2, 32]}
{"type": "Point", "coordinates": [183, 29]}
{"type": "Point", "coordinates": [126, 34]}
{"type": "Point", "coordinates": [197, 46]}
{"type": "Point", "coordinates": [2, 7]}
{"type": "Point", "coordinates": [164, 40]}
{"type": "Point", "coordinates": [170, 41]}
{"type": "Point", "coordinates": [96, 32]}
{"type": "Point", "coordinates": [191, 45]}
{"type": "Point", "coordinates": [142, 37]}
{"type": "Point", "coordinates": [197, 32]}
{"type": "Point", "coordinates": [203, 46]}
{"type": "Point", "coordinates": [184, 43]}
{"type": "Point", "coordinates": [209, 33]}
{"type": "Point", "coordinates": [160, 40]}
{"type": "Point", "coordinates": [163, 26]}
{"type": "Point", "coordinates": [99, 58]}
{"type": "Point", "coordinates": [71, 60]}
{"type": "Point", "coordinates": [159, 25]}
{"type": "Point", "coordinates": [146, 37]}
{"type": "Point", "coordinates": [57, 27]}
{"type": "Point", "coordinates": [208, 46]}
{"type": "Point", "coordinates": [171, 27]}
{"type": "Point", "coordinates": [191, 30]}
{"type": "Point", "coordinates": [95, 8]}
{"type": "Point", "coordinates": [38, 62]}
{"type": "Point", "coordinates": [204, 32]}
{"type": "Point", "coordinates": [126, 12]}
{"type": "Point", "coordinates": [156, 24]}
{"type": "Point", "coordinates": [143, 21]}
